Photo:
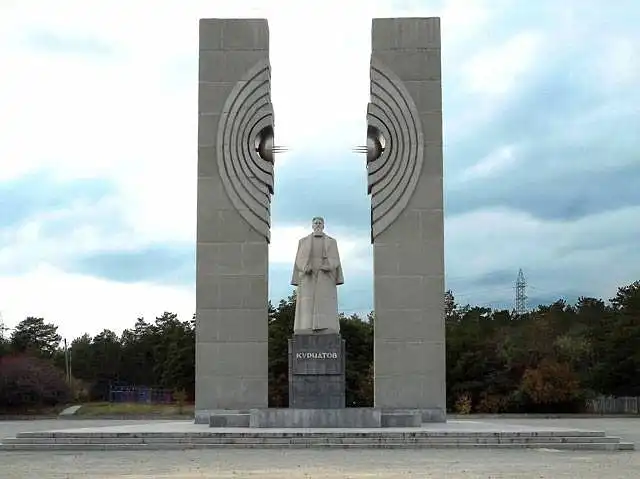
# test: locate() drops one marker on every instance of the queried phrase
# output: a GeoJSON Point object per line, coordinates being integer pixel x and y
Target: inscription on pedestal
{"type": "Point", "coordinates": [316, 371]}
{"type": "Point", "coordinates": [315, 355]}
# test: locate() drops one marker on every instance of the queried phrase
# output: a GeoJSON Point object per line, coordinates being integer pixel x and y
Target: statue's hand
{"type": "Point", "coordinates": [307, 269]}
{"type": "Point", "coordinates": [325, 268]}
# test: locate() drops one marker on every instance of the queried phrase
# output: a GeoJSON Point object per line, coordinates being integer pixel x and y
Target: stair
{"type": "Point", "coordinates": [338, 439]}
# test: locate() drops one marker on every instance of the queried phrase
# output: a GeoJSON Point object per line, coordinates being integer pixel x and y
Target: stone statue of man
{"type": "Point", "coordinates": [317, 272]}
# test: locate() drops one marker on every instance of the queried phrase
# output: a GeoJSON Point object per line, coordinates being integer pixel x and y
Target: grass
{"type": "Point", "coordinates": [134, 409]}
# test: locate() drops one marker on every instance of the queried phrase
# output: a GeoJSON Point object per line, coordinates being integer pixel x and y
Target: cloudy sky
{"type": "Point", "coordinates": [98, 131]}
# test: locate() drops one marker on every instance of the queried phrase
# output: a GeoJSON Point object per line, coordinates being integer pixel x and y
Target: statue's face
{"type": "Point", "coordinates": [318, 225]}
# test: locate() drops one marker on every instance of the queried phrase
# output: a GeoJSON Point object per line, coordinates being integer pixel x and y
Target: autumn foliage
{"type": "Point", "coordinates": [28, 383]}
{"type": "Point", "coordinates": [550, 383]}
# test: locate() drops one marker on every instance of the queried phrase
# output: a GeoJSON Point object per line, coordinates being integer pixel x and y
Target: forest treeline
{"type": "Point", "coordinates": [551, 359]}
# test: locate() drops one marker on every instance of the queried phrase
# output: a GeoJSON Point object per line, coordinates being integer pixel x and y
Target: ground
{"type": "Point", "coordinates": [355, 464]}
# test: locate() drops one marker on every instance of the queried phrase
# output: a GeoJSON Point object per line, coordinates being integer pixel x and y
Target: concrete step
{"type": "Point", "coordinates": [213, 438]}
{"type": "Point", "coordinates": [331, 434]}
{"type": "Point", "coordinates": [590, 446]}
{"type": "Point", "coordinates": [84, 441]}
{"type": "Point", "coordinates": [307, 440]}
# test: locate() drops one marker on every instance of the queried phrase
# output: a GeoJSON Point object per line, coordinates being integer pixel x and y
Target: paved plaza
{"type": "Point", "coordinates": [272, 464]}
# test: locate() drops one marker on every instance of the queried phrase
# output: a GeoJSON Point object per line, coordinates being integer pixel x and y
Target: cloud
{"type": "Point", "coordinates": [550, 132]}
{"type": "Point", "coordinates": [40, 191]}
{"type": "Point", "coordinates": [497, 70]}
{"type": "Point", "coordinates": [494, 163]}
{"type": "Point", "coordinates": [94, 304]}
{"type": "Point", "coordinates": [54, 42]}
{"type": "Point", "coordinates": [313, 184]}
{"type": "Point", "coordinates": [559, 258]}
{"type": "Point", "coordinates": [559, 196]}
{"type": "Point", "coordinates": [98, 149]}
{"type": "Point", "coordinates": [156, 264]}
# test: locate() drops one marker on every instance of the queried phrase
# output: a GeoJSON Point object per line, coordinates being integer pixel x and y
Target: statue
{"type": "Point", "coordinates": [317, 272]}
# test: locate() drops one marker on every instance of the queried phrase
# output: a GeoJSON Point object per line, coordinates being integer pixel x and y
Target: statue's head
{"type": "Point", "coordinates": [317, 224]}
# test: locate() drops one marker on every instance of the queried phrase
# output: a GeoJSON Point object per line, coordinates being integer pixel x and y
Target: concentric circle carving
{"type": "Point", "coordinates": [395, 147]}
{"type": "Point", "coordinates": [245, 147]}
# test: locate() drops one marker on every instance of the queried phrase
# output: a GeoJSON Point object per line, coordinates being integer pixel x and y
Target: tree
{"type": "Point", "coordinates": [616, 345]}
{"type": "Point", "coordinates": [551, 387]}
{"type": "Point", "coordinates": [28, 382]}
{"type": "Point", "coordinates": [4, 347]}
{"type": "Point", "coordinates": [549, 359]}
{"type": "Point", "coordinates": [138, 360]}
{"type": "Point", "coordinates": [473, 360]}
{"type": "Point", "coordinates": [161, 354]}
{"type": "Point", "coordinates": [105, 361]}
{"type": "Point", "coordinates": [627, 299]}
{"type": "Point", "coordinates": [36, 337]}
{"type": "Point", "coordinates": [4, 342]}
{"type": "Point", "coordinates": [83, 364]}
{"type": "Point", "coordinates": [281, 321]}
{"type": "Point", "coordinates": [175, 353]}
{"type": "Point", "coordinates": [358, 336]}
{"type": "Point", "coordinates": [450, 307]}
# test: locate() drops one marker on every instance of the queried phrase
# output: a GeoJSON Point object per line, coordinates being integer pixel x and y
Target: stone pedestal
{"type": "Point", "coordinates": [317, 371]}
{"type": "Point", "coordinates": [345, 418]}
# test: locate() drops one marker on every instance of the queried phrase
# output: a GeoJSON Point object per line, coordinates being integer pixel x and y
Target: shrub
{"type": "Point", "coordinates": [28, 383]}
{"type": "Point", "coordinates": [551, 387]}
{"type": "Point", "coordinates": [492, 404]}
{"type": "Point", "coordinates": [463, 404]}
{"type": "Point", "coordinates": [180, 397]}
{"type": "Point", "coordinates": [79, 390]}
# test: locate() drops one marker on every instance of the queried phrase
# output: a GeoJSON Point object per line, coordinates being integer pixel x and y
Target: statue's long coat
{"type": "Point", "coordinates": [317, 294]}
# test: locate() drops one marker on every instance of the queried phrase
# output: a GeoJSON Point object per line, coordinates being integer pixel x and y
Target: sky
{"type": "Point", "coordinates": [98, 149]}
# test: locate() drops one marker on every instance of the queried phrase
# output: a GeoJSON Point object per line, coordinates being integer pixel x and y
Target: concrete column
{"type": "Point", "coordinates": [235, 184]}
{"type": "Point", "coordinates": [405, 183]}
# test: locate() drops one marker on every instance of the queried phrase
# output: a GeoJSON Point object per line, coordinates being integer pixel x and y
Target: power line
{"type": "Point", "coordinates": [521, 294]}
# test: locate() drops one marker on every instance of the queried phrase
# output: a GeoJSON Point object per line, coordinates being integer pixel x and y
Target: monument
{"type": "Point", "coordinates": [235, 184]}
{"type": "Point", "coordinates": [316, 351]}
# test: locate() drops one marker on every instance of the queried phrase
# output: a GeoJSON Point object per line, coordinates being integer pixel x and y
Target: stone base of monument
{"type": "Point", "coordinates": [316, 418]}
{"type": "Point", "coordinates": [223, 417]}
{"type": "Point", "coordinates": [434, 415]}
{"type": "Point", "coordinates": [316, 371]}
{"type": "Point", "coordinates": [347, 418]}
{"type": "Point", "coordinates": [344, 418]}
{"type": "Point", "coordinates": [428, 415]}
